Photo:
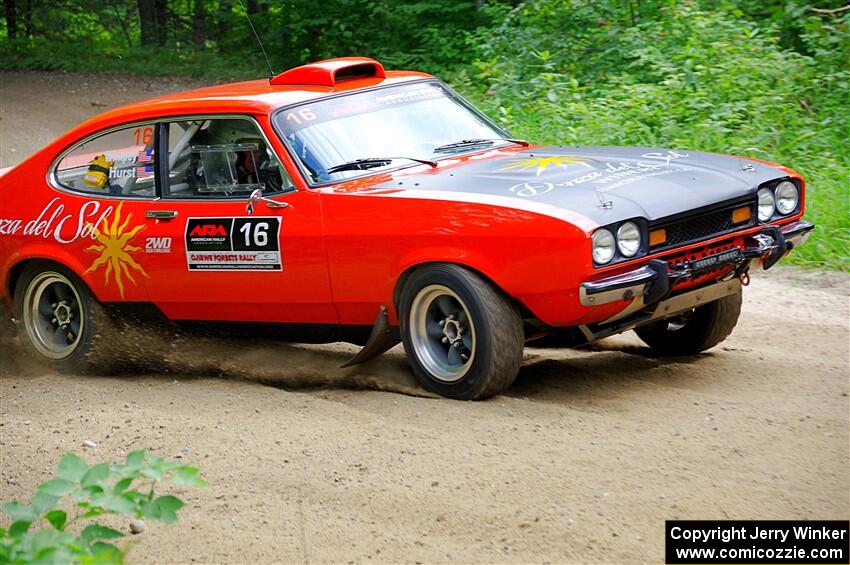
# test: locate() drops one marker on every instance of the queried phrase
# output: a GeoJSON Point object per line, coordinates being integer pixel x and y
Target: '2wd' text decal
{"type": "Point", "coordinates": [158, 245]}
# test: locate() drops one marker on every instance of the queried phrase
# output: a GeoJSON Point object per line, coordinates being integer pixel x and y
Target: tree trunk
{"type": "Point", "coordinates": [11, 19]}
{"type": "Point", "coordinates": [161, 14]}
{"type": "Point", "coordinates": [199, 25]}
{"type": "Point", "coordinates": [147, 23]}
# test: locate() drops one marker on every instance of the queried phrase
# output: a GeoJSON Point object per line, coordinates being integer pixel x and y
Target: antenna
{"type": "Point", "coordinates": [263, 49]}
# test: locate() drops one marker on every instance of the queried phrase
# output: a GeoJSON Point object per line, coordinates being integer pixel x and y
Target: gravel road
{"type": "Point", "coordinates": [581, 460]}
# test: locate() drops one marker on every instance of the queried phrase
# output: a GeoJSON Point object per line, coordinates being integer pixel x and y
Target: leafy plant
{"type": "Point", "coordinates": [104, 488]}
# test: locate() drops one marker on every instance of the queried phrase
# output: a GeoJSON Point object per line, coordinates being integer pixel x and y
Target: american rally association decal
{"type": "Point", "coordinates": [233, 244]}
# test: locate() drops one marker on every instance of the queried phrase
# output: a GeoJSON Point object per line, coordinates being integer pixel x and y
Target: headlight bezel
{"type": "Point", "coordinates": [614, 230]}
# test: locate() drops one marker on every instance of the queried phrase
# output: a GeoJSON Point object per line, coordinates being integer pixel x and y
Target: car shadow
{"type": "Point", "coordinates": [600, 369]}
{"type": "Point", "coordinates": [553, 375]}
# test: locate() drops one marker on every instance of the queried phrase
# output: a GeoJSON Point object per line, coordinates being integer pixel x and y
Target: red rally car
{"type": "Point", "coordinates": [382, 207]}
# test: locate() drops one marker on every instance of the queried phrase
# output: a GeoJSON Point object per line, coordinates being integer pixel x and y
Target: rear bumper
{"type": "Point", "coordinates": [654, 281]}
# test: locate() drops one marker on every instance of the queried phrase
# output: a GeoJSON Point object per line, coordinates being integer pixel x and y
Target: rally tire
{"type": "Point", "coordinates": [698, 331]}
{"type": "Point", "coordinates": [490, 359]}
{"type": "Point", "coordinates": [42, 287]}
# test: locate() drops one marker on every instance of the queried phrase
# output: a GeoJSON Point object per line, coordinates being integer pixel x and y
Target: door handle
{"type": "Point", "coordinates": [257, 196]}
{"type": "Point", "coordinates": [161, 214]}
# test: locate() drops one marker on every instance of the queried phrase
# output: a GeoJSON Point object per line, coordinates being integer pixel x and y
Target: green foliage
{"type": "Point", "coordinates": [765, 78]}
{"type": "Point", "coordinates": [568, 72]}
{"type": "Point", "coordinates": [104, 488]}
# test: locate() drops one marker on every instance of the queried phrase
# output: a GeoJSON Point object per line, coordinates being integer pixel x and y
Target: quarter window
{"type": "Point", "coordinates": [119, 163]}
{"type": "Point", "coordinates": [220, 158]}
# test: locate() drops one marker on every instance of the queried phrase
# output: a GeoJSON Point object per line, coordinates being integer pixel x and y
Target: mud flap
{"type": "Point", "coordinates": [382, 338]}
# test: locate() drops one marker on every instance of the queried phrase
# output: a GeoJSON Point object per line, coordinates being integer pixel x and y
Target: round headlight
{"type": "Point", "coordinates": [767, 204]}
{"type": "Point", "coordinates": [787, 197]}
{"type": "Point", "coordinates": [603, 246]}
{"type": "Point", "coordinates": [628, 239]}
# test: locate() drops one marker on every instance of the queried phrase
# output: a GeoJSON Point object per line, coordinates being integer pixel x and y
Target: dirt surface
{"type": "Point", "coordinates": [581, 460]}
{"type": "Point", "coordinates": [35, 108]}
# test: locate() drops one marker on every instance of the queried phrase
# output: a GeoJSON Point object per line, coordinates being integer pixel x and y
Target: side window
{"type": "Point", "coordinates": [220, 158]}
{"type": "Point", "coordinates": [119, 163]}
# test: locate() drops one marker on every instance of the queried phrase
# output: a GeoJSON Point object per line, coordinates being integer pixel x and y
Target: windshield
{"type": "Point", "coordinates": [389, 124]}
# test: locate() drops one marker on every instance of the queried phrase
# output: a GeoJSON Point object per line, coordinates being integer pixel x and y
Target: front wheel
{"type": "Point", "coordinates": [463, 337]}
{"type": "Point", "coordinates": [61, 320]}
{"type": "Point", "coordinates": [695, 331]}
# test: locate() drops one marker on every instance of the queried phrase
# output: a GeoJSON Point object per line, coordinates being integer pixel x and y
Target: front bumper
{"type": "Point", "coordinates": [654, 281]}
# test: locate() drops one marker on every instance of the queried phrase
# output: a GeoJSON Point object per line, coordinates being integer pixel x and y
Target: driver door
{"type": "Point", "coordinates": [219, 258]}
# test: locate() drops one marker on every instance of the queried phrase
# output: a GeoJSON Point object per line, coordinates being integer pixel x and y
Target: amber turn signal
{"type": "Point", "coordinates": [742, 214]}
{"type": "Point", "coordinates": [657, 237]}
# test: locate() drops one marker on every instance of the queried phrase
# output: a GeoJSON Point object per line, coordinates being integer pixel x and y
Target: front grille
{"type": "Point", "coordinates": [702, 226]}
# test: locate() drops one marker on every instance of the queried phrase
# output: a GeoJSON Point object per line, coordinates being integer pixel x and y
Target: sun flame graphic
{"type": "Point", "coordinates": [543, 163]}
{"type": "Point", "coordinates": [115, 249]}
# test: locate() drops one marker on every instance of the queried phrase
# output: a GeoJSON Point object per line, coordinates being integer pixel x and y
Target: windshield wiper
{"type": "Point", "coordinates": [476, 142]}
{"type": "Point", "coordinates": [372, 162]}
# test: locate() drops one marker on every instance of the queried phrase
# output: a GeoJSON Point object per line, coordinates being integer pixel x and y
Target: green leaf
{"type": "Point", "coordinates": [18, 511]}
{"type": "Point", "coordinates": [94, 512]}
{"type": "Point", "coordinates": [57, 519]}
{"type": "Point", "coordinates": [167, 516]}
{"type": "Point", "coordinates": [72, 467]}
{"type": "Point", "coordinates": [19, 528]}
{"type": "Point", "coordinates": [97, 474]}
{"type": "Point", "coordinates": [169, 502]}
{"type": "Point", "coordinates": [150, 510]}
{"type": "Point", "coordinates": [46, 544]}
{"type": "Point", "coordinates": [42, 502]}
{"type": "Point", "coordinates": [88, 492]}
{"type": "Point", "coordinates": [56, 487]}
{"type": "Point", "coordinates": [136, 458]}
{"type": "Point", "coordinates": [188, 476]}
{"type": "Point", "coordinates": [105, 554]}
{"type": "Point", "coordinates": [47, 554]}
{"type": "Point", "coordinates": [153, 473]}
{"type": "Point", "coordinates": [115, 503]}
{"type": "Point", "coordinates": [168, 507]}
{"type": "Point", "coordinates": [94, 532]}
{"type": "Point", "coordinates": [122, 485]}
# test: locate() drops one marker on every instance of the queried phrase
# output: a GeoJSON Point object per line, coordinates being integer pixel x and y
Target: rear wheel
{"type": "Point", "coordinates": [693, 332]}
{"type": "Point", "coordinates": [61, 322]}
{"type": "Point", "coordinates": [463, 337]}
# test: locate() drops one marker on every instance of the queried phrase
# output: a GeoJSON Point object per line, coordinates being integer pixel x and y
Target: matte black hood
{"type": "Point", "coordinates": [605, 184]}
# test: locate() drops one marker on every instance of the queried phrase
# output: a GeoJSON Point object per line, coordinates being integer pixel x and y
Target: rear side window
{"type": "Point", "coordinates": [221, 158]}
{"type": "Point", "coordinates": [118, 163]}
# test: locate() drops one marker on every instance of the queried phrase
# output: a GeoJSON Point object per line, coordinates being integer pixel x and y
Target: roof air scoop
{"type": "Point", "coordinates": [330, 72]}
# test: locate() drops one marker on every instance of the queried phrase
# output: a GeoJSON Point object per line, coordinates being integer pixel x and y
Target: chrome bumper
{"type": "Point", "coordinates": [653, 281]}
